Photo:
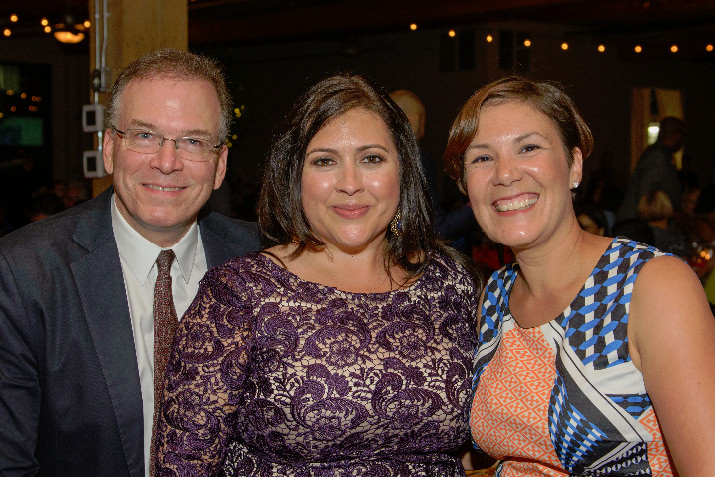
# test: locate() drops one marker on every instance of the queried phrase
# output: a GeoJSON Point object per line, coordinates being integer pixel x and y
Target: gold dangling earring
{"type": "Point", "coordinates": [396, 224]}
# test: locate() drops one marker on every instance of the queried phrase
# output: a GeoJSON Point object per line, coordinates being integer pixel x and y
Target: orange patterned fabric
{"type": "Point", "coordinates": [658, 456]}
{"type": "Point", "coordinates": [565, 398]}
{"type": "Point", "coordinates": [510, 408]}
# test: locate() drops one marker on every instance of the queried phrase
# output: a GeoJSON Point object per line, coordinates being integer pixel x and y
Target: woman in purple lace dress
{"type": "Point", "coordinates": [345, 349]}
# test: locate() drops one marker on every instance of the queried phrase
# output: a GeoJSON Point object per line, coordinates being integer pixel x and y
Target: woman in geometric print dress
{"type": "Point", "coordinates": [345, 348]}
{"type": "Point", "coordinates": [596, 355]}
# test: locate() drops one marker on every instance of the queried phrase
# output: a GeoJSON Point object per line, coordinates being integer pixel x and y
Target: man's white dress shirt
{"type": "Point", "coordinates": [138, 258]}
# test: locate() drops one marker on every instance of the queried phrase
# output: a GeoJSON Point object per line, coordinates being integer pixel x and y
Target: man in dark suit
{"type": "Point", "coordinates": [656, 169]}
{"type": "Point", "coordinates": [77, 289]}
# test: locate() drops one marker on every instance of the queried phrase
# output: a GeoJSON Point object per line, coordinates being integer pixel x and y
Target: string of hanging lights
{"type": "Point", "coordinates": [700, 47]}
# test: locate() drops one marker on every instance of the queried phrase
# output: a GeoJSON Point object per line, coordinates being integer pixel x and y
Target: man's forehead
{"type": "Point", "coordinates": [169, 82]}
{"type": "Point", "coordinates": [146, 97]}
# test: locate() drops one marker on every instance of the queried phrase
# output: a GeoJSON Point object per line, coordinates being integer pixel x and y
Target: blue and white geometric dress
{"type": "Point", "coordinates": [565, 398]}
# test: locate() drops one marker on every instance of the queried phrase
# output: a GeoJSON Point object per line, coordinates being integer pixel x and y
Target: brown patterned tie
{"type": "Point", "coordinates": [165, 322]}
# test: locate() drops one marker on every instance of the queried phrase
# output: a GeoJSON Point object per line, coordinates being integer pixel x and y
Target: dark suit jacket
{"type": "Point", "coordinates": [70, 400]}
{"type": "Point", "coordinates": [655, 171]}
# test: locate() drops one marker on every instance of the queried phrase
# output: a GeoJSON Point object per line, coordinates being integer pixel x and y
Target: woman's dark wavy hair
{"type": "Point", "coordinates": [546, 97]}
{"type": "Point", "coordinates": [281, 216]}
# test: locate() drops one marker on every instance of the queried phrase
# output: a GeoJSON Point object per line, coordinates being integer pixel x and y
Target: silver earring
{"type": "Point", "coordinates": [574, 185]}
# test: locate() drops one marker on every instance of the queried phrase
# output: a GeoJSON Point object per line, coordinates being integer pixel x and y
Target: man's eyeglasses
{"type": "Point", "coordinates": [149, 142]}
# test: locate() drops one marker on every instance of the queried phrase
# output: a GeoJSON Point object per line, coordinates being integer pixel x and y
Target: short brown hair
{"type": "Point", "coordinates": [179, 65]}
{"type": "Point", "coordinates": [655, 206]}
{"type": "Point", "coordinates": [545, 96]}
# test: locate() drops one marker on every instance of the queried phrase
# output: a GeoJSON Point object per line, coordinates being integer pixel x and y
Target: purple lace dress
{"type": "Point", "coordinates": [275, 376]}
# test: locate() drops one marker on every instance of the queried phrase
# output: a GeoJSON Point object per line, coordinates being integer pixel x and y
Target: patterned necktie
{"type": "Point", "coordinates": [165, 322]}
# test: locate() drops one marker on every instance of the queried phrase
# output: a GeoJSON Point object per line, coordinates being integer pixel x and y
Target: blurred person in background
{"type": "Point", "coordinates": [656, 210]}
{"type": "Point", "coordinates": [656, 168]}
{"type": "Point", "coordinates": [455, 225]}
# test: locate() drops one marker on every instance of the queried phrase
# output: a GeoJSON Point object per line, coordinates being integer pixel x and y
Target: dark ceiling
{"type": "Point", "coordinates": [259, 21]}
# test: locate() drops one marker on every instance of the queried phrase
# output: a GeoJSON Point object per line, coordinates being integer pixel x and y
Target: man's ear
{"type": "Point", "coordinates": [221, 165]}
{"type": "Point", "coordinates": [108, 151]}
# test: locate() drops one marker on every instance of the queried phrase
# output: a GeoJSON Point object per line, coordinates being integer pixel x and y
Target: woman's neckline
{"type": "Point", "coordinates": [414, 284]}
{"type": "Point", "coordinates": [515, 272]}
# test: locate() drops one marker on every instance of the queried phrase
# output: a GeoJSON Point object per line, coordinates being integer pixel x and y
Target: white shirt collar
{"type": "Point", "coordinates": [140, 254]}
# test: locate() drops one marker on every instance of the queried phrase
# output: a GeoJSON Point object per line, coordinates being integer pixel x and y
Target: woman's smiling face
{"type": "Point", "coordinates": [517, 175]}
{"type": "Point", "coordinates": [351, 181]}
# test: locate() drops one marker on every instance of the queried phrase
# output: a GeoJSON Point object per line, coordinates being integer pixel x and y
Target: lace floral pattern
{"type": "Point", "coordinates": [272, 375]}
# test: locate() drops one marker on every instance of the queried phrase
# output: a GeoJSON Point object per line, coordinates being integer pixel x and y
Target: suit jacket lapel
{"type": "Point", "coordinates": [225, 238]}
{"type": "Point", "coordinates": [100, 282]}
{"type": "Point", "coordinates": [214, 246]}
